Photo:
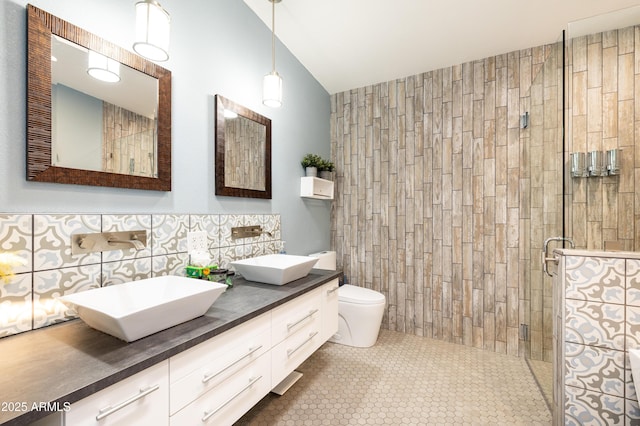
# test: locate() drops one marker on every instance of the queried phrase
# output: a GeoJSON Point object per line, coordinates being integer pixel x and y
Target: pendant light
{"type": "Point", "coordinates": [102, 68]}
{"type": "Point", "coordinates": [152, 31]}
{"type": "Point", "coordinates": [272, 83]}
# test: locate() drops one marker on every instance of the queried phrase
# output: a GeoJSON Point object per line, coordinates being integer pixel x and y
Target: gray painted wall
{"type": "Point", "coordinates": [77, 129]}
{"type": "Point", "coordinates": [216, 47]}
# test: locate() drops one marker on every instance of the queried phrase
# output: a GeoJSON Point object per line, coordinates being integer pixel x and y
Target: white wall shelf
{"type": "Point", "coordinates": [313, 187]}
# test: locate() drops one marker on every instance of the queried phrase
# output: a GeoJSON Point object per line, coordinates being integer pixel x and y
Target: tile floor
{"type": "Point", "coordinates": [543, 374]}
{"type": "Point", "coordinates": [406, 380]}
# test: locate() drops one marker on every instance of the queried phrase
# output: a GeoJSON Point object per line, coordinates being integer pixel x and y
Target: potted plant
{"type": "Point", "coordinates": [325, 168]}
{"type": "Point", "coordinates": [310, 163]}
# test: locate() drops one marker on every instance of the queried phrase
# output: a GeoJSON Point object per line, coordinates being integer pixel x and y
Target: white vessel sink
{"type": "Point", "coordinates": [276, 269]}
{"type": "Point", "coordinates": [634, 360]}
{"type": "Point", "coordinates": [137, 309]}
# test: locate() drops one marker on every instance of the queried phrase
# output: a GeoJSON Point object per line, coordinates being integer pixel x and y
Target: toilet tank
{"type": "Point", "coordinates": [326, 260]}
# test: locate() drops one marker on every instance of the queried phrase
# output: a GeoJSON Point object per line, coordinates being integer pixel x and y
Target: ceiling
{"type": "Point", "coordinates": [136, 91]}
{"type": "Point", "coordinates": [347, 44]}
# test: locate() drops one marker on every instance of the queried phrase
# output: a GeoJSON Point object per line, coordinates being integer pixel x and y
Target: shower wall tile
{"type": "Point", "coordinates": [584, 407]}
{"type": "Point", "coordinates": [633, 282]}
{"type": "Point", "coordinates": [603, 86]}
{"type": "Point", "coordinates": [596, 369]}
{"type": "Point", "coordinates": [595, 279]}
{"type": "Point", "coordinates": [434, 188]}
{"type": "Point", "coordinates": [633, 327]}
{"type": "Point", "coordinates": [596, 338]}
{"type": "Point", "coordinates": [28, 299]}
{"type": "Point", "coordinates": [596, 324]}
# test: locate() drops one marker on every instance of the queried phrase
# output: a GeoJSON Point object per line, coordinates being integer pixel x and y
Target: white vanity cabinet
{"type": "Point", "coordinates": [296, 333]}
{"type": "Point", "coordinates": [300, 327]}
{"type": "Point", "coordinates": [329, 309]}
{"type": "Point", "coordinates": [231, 398]}
{"type": "Point", "coordinates": [230, 372]}
{"type": "Point", "coordinates": [141, 399]}
{"type": "Point", "coordinates": [219, 380]}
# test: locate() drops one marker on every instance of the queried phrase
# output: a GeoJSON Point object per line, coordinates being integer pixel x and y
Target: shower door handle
{"type": "Point", "coordinates": [545, 250]}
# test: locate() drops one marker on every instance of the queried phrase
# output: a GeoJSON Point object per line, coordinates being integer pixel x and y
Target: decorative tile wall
{"type": "Point", "coordinates": [29, 302]}
{"type": "Point", "coordinates": [441, 196]}
{"type": "Point", "coordinates": [598, 321]}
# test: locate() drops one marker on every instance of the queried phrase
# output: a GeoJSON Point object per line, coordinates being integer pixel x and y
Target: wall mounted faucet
{"type": "Point", "coordinates": [248, 232]}
{"type": "Point", "coordinates": [105, 241]}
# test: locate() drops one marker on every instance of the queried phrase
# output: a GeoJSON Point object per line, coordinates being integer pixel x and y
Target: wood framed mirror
{"type": "Point", "coordinates": [102, 152]}
{"type": "Point", "coordinates": [242, 151]}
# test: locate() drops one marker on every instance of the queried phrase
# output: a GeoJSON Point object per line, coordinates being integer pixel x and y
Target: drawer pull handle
{"type": "Point", "coordinates": [309, 315]}
{"type": "Point", "coordinates": [206, 378]}
{"type": "Point", "coordinates": [208, 414]}
{"type": "Point", "coordinates": [333, 289]}
{"type": "Point", "coordinates": [107, 411]}
{"type": "Point", "coordinates": [292, 351]}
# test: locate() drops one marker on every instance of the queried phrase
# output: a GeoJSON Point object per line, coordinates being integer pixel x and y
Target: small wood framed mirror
{"type": "Point", "coordinates": [242, 151]}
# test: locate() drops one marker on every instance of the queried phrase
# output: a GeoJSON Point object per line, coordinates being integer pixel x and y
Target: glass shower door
{"type": "Point", "coordinates": [542, 137]}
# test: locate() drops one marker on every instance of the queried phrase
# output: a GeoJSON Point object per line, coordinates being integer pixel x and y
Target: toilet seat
{"type": "Point", "coordinates": [359, 295]}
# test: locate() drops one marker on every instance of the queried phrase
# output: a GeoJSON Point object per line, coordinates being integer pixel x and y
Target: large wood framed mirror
{"type": "Point", "coordinates": [89, 132]}
{"type": "Point", "coordinates": [243, 151]}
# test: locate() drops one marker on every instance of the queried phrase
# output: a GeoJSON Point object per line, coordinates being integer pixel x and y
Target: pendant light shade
{"type": "Point", "coordinates": [272, 90]}
{"type": "Point", "coordinates": [102, 68]}
{"type": "Point", "coordinates": [272, 83]}
{"type": "Point", "coordinates": [152, 31]}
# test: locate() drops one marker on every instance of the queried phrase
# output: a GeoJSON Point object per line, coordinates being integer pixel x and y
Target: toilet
{"type": "Point", "coordinates": [360, 309]}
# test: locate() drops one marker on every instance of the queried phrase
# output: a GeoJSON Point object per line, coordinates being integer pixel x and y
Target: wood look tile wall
{"type": "Point", "coordinates": [436, 185]}
{"type": "Point", "coordinates": [604, 71]}
{"type": "Point", "coordinates": [128, 142]}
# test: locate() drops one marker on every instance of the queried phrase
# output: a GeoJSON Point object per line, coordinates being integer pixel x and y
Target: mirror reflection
{"type": "Point", "coordinates": [245, 142]}
{"type": "Point", "coordinates": [243, 151]}
{"type": "Point", "coordinates": [105, 122]}
{"type": "Point", "coordinates": [97, 114]}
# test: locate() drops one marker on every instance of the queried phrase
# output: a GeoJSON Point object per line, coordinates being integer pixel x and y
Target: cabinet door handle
{"type": "Point", "coordinates": [107, 411]}
{"type": "Point", "coordinates": [206, 378]}
{"type": "Point", "coordinates": [308, 339]}
{"type": "Point", "coordinates": [333, 289]}
{"type": "Point", "coordinates": [309, 315]}
{"type": "Point", "coordinates": [208, 414]}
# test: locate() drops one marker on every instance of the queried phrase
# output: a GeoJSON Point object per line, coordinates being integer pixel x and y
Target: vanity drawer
{"type": "Point", "coordinates": [202, 368]}
{"type": "Point", "coordinates": [329, 309]}
{"type": "Point", "coordinates": [226, 403]}
{"type": "Point", "coordinates": [293, 351]}
{"type": "Point", "coordinates": [287, 319]}
{"type": "Point", "coordinates": [138, 400]}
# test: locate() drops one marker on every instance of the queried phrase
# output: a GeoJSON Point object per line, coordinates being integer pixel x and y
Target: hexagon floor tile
{"type": "Point", "coordinates": [406, 380]}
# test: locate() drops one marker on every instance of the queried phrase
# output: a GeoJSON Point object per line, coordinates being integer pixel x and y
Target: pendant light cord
{"type": "Point", "coordinates": [273, 35]}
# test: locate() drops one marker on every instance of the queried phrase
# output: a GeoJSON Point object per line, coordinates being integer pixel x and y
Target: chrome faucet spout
{"type": "Point", "coordinates": [136, 244]}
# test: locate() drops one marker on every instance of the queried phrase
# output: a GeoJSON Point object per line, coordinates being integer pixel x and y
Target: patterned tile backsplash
{"type": "Point", "coordinates": [28, 300]}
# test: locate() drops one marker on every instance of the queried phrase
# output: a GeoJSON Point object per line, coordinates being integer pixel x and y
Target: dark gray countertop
{"type": "Point", "coordinates": [70, 361]}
